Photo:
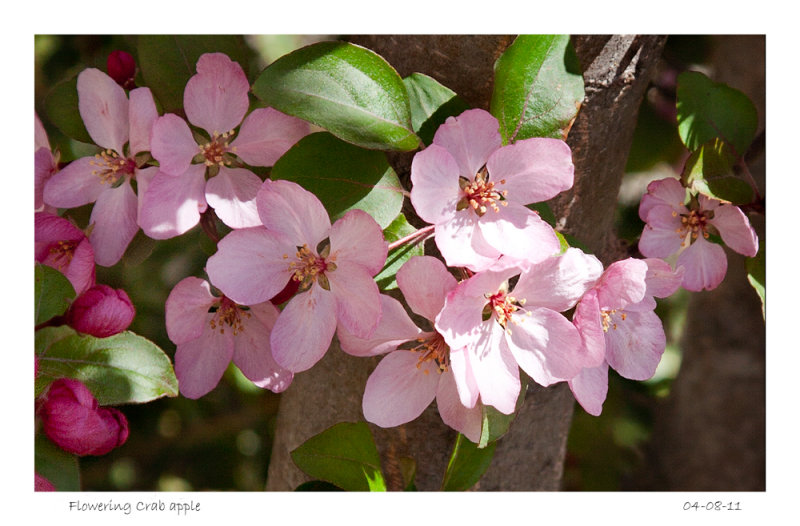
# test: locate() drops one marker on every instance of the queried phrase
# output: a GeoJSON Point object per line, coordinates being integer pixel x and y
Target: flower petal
{"type": "Point", "coordinates": [357, 238]}
{"type": "Point", "coordinates": [398, 391]}
{"type": "Point", "coordinates": [186, 309]}
{"type": "Point", "coordinates": [664, 192]}
{"type": "Point", "coordinates": [534, 170]}
{"type": "Point", "coordinates": [304, 330]}
{"type": "Point", "coordinates": [735, 229]}
{"type": "Point", "coordinates": [425, 282]}
{"type": "Point", "coordinates": [103, 106]}
{"type": "Point", "coordinates": [215, 99]}
{"type": "Point", "coordinates": [462, 244]}
{"type": "Point", "coordinates": [172, 204]}
{"type": "Point", "coordinates": [114, 218]}
{"type": "Point", "coordinates": [172, 144]}
{"type": "Point", "coordinates": [74, 185]}
{"type": "Point", "coordinates": [463, 377]}
{"type": "Point", "coordinates": [590, 388]}
{"type": "Point", "coordinates": [358, 304]}
{"type": "Point", "coordinates": [634, 345]}
{"type": "Point", "coordinates": [587, 319]}
{"type": "Point", "coordinates": [495, 369]}
{"type": "Point", "coordinates": [466, 420]}
{"type": "Point", "coordinates": [252, 353]}
{"type": "Point", "coordinates": [266, 134]}
{"type": "Point", "coordinates": [470, 138]}
{"type": "Point", "coordinates": [435, 190]}
{"type": "Point", "coordinates": [49, 231]}
{"type": "Point", "coordinates": [519, 233]}
{"type": "Point", "coordinates": [661, 280]}
{"type": "Point", "coordinates": [200, 363]}
{"type": "Point", "coordinates": [559, 282]}
{"type": "Point", "coordinates": [622, 283]}
{"type": "Point", "coordinates": [232, 195]}
{"type": "Point", "coordinates": [290, 210]}
{"type": "Point", "coordinates": [142, 116]}
{"type": "Point", "coordinates": [395, 328]}
{"type": "Point", "coordinates": [705, 265]}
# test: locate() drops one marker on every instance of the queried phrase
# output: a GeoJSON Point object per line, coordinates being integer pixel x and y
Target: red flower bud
{"type": "Point", "coordinates": [72, 419]}
{"type": "Point", "coordinates": [101, 311]}
{"type": "Point", "coordinates": [122, 68]}
{"type": "Point", "coordinates": [286, 294]}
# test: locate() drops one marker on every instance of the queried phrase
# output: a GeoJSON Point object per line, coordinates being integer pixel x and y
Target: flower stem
{"type": "Point", "coordinates": [425, 231]}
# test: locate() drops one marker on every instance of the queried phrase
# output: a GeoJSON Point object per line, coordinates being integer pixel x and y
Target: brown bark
{"type": "Point", "coordinates": [530, 456]}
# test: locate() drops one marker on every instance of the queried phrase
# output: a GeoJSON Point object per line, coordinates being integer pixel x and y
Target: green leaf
{"type": "Point", "coordinates": [709, 110]}
{"type": "Point", "coordinates": [124, 368]}
{"type": "Point", "coordinates": [399, 229]}
{"type": "Point", "coordinates": [52, 292]}
{"type": "Point", "coordinates": [495, 424]}
{"type": "Point", "coordinates": [757, 274]}
{"type": "Point", "coordinates": [346, 89]}
{"type": "Point", "coordinates": [344, 455]}
{"type": "Point", "coordinates": [167, 62]}
{"type": "Point", "coordinates": [431, 104]}
{"type": "Point", "coordinates": [708, 170]}
{"type": "Point", "coordinates": [467, 464]}
{"type": "Point", "coordinates": [56, 465]}
{"type": "Point", "coordinates": [538, 88]}
{"type": "Point", "coordinates": [344, 177]}
{"type": "Point", "coordinates": [61, 108]}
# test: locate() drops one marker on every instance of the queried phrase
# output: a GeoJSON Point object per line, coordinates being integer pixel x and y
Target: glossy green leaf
{"type": "Point", "coordinates": [56, 465]}
{"type": "Point", "coordinates": [495, 424]}
{"type": "Point", "coordinates": [344, 455]}
{"type": "Point", "coordinates": [467, 464]}
{"type": "Point", "coordinates": [709, 110]}
{"type": "Point", "coordinates": [124, 368]}
{"type": "Point", "coordinates": [757, 274]}
{"type": "Point", "coordinates": [344, 177]}
{"type": "Point", "coordinates": [431, 104]}
{"type": "Point", "coordinates": [167, 62]}
{"type": "Point", "coordinates": [708, 170]}
{"type": "Point", "coordinates": [538, 88]}
{"type": "Point", "coordinates": [61, 108]}
{"type": "Point", "coordinates": [346, 89]}
{"type": "Point", "coordinates": [399, 229]}
{"type": "Point", "coordinates": [52, 291]}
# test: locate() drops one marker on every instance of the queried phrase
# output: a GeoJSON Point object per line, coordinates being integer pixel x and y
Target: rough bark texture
{"type": "Point", "coordinates": [710, 434]}
{"type": "Point", "coordinates": [530, 457]}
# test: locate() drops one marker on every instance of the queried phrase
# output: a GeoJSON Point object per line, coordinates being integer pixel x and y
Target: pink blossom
{"type": "Point", "coordinates": [417, 367]}
{"type": "Point", "coordinates": [334, 266]}
{"type": "Point", "coordinates": [45, 165]}
{"type": "Point", "coordinates": [212, 331]}
{"type": "Point", "coordinates": [40, 483]}
{"type": "Point", "coordinates": [215, 100]}
{"type": "Point", "coordinates": [474, 190]}
{"type": "Point", "coordinates": [504, 329]}
{"type": "Point", "coordinates": [72, 419]}
{"type": "Point", "coordinates": [112, 120]}
{"type": "Point", "coordinates": [61, 245]}
{"type": "Point", "coordinates": [101, 311]}
{"type": "Point", "coordinates": [616, 321]}
{"type": "Point", "coordinates": [677, 226]}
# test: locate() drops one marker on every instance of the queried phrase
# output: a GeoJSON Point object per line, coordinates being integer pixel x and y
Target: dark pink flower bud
{"type": "Point", "coordinates": [42, 484]}
{"type": "Point", "coordinates": [122, 68]}
{"type": "Point", "coordinates": [72, 419]}
{"type": "Point", "coordinates": [101, 311]}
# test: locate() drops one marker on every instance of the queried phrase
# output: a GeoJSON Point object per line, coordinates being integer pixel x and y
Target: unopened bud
{"type": "Point", "coordinates": [101, 311]}
{"type": "Point", "coordinates": [122, 68]}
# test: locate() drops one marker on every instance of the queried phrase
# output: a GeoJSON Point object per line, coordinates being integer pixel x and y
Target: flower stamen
{"type": "Point", "coordinates": [433, 349]}
{"type": "Point", "coordinates": [111, 167]}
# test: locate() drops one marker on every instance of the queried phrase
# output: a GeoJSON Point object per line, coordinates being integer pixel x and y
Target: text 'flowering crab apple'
{"type": "Point", "coordinates": [474, 190]}
{"type": "Point", "coordinates": [333, 264]}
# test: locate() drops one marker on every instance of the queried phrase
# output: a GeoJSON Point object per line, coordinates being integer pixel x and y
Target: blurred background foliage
{"type": "Point", "coordinates": [223, 441]}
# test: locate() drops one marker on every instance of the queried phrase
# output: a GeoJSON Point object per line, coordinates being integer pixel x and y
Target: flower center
{"type": "Point", "coordinates": [503, 307]}
{"type": "Point", "coordinates": [693, 224]}
{"type": "Point", "coordinates": [309, 268]}
{"type": "Point", "coordinates": [230, 314]}
{"type": "Point", "coordinates": [608, 321]}
{"type": "Point", "coordinates": [480, 194]}
{"type": "Point", "coordinates": [61, 253]}
{"type": "Point", "coordinates": [214, 152]}
{"type": "Point", "coordinates": [111, 167]}
{"type": "Point", "coordinates": [433, 349]}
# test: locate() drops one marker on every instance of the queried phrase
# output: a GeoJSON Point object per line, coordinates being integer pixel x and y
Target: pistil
{"type": "Point", "coordinates": [111, 167]}
{"type": "Point", "coordinates": [433, 349]}
{"type": "Point", "coordinates": [230, 314]}
{"type": "Point", "coordinates": [481, 195]}
{"type": "Point", "coordinates": [215, 150]}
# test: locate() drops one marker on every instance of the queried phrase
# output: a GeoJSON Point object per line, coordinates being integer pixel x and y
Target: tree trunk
{"type": "Point", "coordinates": [617, 70]}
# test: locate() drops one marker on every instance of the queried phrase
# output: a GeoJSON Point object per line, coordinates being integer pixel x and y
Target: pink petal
{"type": "Point", "coordinates": [74, 185]}
{"type": "Point", "coordinates": [143, 178]}
{"type": "Point", "coordinates": [661, 280]}
{"type": "Point", "coordinates": [394, 329]}
{"type": "Point", "coordinates": [40, 139]}
{"type": "Point", "coordinates": [172, 144]}
{"type": "Point", "coordinates": [398, 391]}
{"type": "Point", "coordinates": [467, 421]}
{"type": "Point", "coordinates": [462, 244]}
{"type": "Point", "coordinates": [534, 170]}
{"type": "Point", "coordinates": [735, 229]}
{"type": "Point", "coordinates": [587, 319]}
{"type": "Point", "coordinates": [103, 106]}
{"type": "Point", "coordinates": [215, 99]}
{"type": "Point", "coordinates": [357, 238]}
{"type": "Point", "coordinates": [559, 282]}
{"type": "Point", "coordinates": [186, 309]}
{"type": "Point", "coordinates": [590, 388]}
{"type": "Point", "coordinates": [519, 233]}
{"type": "Point", "coordinates": [43, 168]}
{"type": "Point", "coordinates": [464, 378]}
{"type": "Point", "coordinates": [172, 204]}
{"type": "Point", "coordinates": [660, 242]}
{"type": "Point", "coordinates": [425, 282]}
{"type": "Point", "coordinates": [304, 330]}
{"type": "Point", "coordinates": [49, 230]}
{"type": "Point", "coordinates": [634, 345]}
{"type": "Point", "coordinates": [663, 192]}
{"type": "Point", "coordinates": [622, 283]}
{"type": "Point", "coordinates": [705, 265]}
{"type": "Point", "coordinates": [200, 363]}
{"type": "Point", "coordinates": [249, 267]}
{"type": "Point", "coordinates": [266, 134]}
{"type": "Point", "coordinates": [435, 190]}
{"type": "Point", "coordinates": [290, 210]}
{"type": "Point", "coordinates": [142, 116]}
{"type": "Point", "coordinates": [114, 218]}
{"type": "Point", "coordinates": [232, 195]}
{"type": "Point", "coordinates": [546, 346]}
{"type": "Point", "coordinates": [470, 138]}
{"type": "Point", "coordinates": [358, 304]}
{"type": "Point", "coordinates": [252, 353]}
{"type": "Point", "coordinates": [495, 369]}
